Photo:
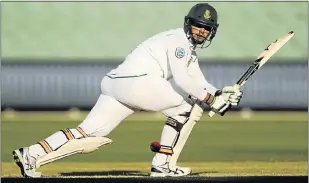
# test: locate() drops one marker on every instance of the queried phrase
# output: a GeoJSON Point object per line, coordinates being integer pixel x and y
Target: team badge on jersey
{"type": "Point", "coordinates": [180, 52]}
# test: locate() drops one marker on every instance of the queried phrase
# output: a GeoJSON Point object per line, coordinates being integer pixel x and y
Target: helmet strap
{"type": "Point", "coordinates": [208, 43]}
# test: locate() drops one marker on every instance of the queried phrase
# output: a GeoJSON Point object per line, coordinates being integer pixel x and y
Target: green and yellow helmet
{"type": "Point", "coordinates": [202, 15]}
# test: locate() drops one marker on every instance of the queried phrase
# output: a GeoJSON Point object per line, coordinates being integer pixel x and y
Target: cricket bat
{"type": "Point", "coordinates": [268, 52]}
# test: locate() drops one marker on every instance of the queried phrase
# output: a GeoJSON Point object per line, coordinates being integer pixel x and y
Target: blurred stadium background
{"type": "Point", "coordinates": [54, 56]}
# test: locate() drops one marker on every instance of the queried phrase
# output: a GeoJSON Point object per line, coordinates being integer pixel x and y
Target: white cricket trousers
{"type": "Point", "coordinates": [121, 97]}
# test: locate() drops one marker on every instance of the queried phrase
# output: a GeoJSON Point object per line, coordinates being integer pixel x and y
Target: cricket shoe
{"type": "Point", "coordinates": [165, 171]}
{"type": "Point", "coordinates": [26, 162]}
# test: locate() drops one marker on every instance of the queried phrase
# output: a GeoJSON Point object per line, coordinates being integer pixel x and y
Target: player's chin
{"type": "Point", "coordinates": [200, 40]}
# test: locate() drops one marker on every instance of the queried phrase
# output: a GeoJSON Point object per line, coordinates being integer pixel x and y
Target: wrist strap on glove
{"type": "Point", "coordinates": [210, 99]}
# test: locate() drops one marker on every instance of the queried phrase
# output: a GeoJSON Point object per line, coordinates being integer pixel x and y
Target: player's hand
{"type": "Point", "coordinates": [220, 103]}
{"type": "Point", "coordinates": [232, 94]}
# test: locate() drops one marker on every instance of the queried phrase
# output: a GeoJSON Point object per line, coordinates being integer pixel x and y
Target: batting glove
{"type": "Point", "coordinates": [232, 94]}
{"type": "Point", "coordinates": [218, 103]}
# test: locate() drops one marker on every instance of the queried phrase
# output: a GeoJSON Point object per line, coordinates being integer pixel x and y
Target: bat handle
{"type": "Point", "coordinates": [212, 112]}
{"type": "Point", "coordinates": [237, 86]}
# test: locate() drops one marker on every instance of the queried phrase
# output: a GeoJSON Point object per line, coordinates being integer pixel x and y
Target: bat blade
{"type": "Point", "coordinates": [268, 52]}
{"type": "Point", "coordinates": [271, 49]}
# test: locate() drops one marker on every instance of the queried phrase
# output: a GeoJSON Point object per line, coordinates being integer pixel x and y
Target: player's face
{"type": "Point", "coordinates": [199, 34]}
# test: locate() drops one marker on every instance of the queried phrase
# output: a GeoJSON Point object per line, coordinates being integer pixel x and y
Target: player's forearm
{"type": "Point", "coordinates": [210, 88]}
{"type": "Point", "coordinates": [192, 84]}
{"type": "Point", "coordinates": [191, 87]}
{"type": "Point", "coordinates": [195, 72]}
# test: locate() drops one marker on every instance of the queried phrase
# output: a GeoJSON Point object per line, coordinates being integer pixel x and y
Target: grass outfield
{"type": "Point", "coordinates": [210, 169]}
{"type": "Point", "coordinates": [266, 144]}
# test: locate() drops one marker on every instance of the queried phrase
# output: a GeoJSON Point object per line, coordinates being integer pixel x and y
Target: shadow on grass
{"type": "Point", "coordinates": [106, 173]}
{"type": "Point", "coordinates": [119, 173]}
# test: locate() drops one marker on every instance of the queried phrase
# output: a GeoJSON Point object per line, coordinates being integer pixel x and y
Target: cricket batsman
{"type": "Point", "coordinates": [142, 82]}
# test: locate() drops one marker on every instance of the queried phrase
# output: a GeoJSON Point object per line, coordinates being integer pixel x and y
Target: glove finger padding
{"type": "Point", "coordinates": [232, 100]}
{"type": "Point", "coordinates": [239, 93]}
{"type": "Point", "coordinates": [235, 97]}
{"type": "Point", "coordinates": [229, 89]}
{"type": "Point", "coordinates": [232, 90]}
{"type": "Point", "coordinates": [234, 103]}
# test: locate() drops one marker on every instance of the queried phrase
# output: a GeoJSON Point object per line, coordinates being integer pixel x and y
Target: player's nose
{"type": "Point", "coordinates": [204, 32]}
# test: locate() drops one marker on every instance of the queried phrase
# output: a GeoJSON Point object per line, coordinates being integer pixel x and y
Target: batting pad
{"type": "Point", "coordinates": [195, 115]}
{"type": "Point", "coordinates": [74, 146]}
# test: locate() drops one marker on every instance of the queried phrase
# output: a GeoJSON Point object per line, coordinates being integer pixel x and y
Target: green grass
{"type": "Point", "coordinates": [264, 137]}
{"type": "Point", "coordinates": [265, 144]}
{"type": "Point", "coordinates": [210, 169]}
